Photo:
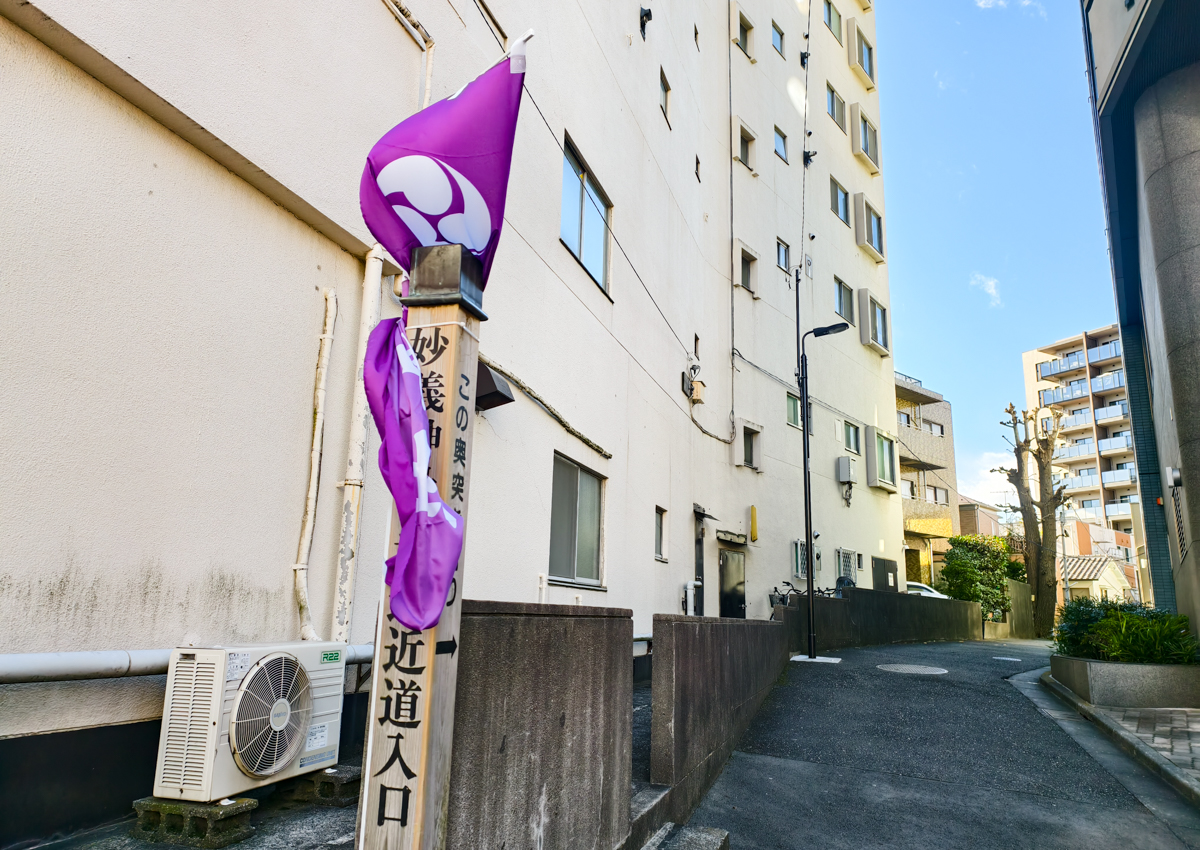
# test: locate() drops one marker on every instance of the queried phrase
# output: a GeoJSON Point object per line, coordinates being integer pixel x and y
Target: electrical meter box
{"type": "Point", "coordinates": [847, 470]}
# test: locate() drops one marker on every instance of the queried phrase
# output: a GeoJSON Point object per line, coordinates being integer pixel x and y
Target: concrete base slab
{"type": "Point", "coordinates": [206, 825]}
{"type": "Point", "coordinates": [820, 659]}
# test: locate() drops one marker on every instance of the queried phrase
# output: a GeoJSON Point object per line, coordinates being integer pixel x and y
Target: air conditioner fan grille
{"type": "Point", "coordinates": [270, 716]}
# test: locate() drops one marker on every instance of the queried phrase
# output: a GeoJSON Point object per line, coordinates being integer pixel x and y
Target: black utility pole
{"type": "Point", "coordinates": [805, 423]}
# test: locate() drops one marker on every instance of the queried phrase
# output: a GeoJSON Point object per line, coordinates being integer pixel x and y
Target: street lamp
{"type": "Point", "coordinates": [804, 420]}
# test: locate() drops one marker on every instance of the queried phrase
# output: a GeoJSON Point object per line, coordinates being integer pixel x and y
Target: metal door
{"type": "Point", "coordinates": [733, 583]}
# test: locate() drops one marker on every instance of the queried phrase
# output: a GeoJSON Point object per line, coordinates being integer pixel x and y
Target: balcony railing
{"type": "Point", "coordinates": [1079, 419]}
{"type": "Point", "coordinates": [1070, 363]}
{"type": "Point", "coordinates": [1078, 482]}
{"type": "Point", "coordinates": [908, 379]}
{"type": "Point", "coordinates": [1061, 394]}
{"type": "Point", "coordinates": [1104, 352]}
{"type": "Point", "coordinates": [1087, 449]}
{"type": "Point", "coordinates": [1120, 410]}
{"type": "Point", "coordinates": [1116, 443]}
{"type": "Point", "coordinates": [1085, 514]}
{"type": "Point", "coordinates": [1118, 477]}
{"type": "Point", "coordinates": [1109, 381]}
{"type": "Point", "coordinates": [1118, 509]}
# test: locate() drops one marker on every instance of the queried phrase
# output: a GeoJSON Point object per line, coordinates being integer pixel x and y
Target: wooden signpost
{"type": "Point", "coordinates": [406, 765]}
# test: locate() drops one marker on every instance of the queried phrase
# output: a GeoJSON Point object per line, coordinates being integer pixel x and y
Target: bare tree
{"type": "Point", "coordinates": [1035, 439]}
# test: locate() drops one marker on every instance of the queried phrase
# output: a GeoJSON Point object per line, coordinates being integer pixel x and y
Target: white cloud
{"type": "Point", "coordinates": [990, 286]}
{"type": "Point", "coordinates": [1035, 5]}
{"type": "Point", "coordinates": [977, 481]}
{"type": "Point", "coordinates": [988, 4]}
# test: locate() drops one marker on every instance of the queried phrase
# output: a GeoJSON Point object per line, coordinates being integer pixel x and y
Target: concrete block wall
{"type": "Point", "coordinates": [710, 676]}
{"type": "Point", "coordinates": [543, 726]}
{"type": "Point", "coordinates": [873, 617]}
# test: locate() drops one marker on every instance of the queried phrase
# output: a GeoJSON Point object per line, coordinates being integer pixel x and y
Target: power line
{"type": "Point", "coordinates": [604, 218]}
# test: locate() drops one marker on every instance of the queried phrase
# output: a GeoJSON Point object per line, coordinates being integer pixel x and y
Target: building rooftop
{"type": "Point", "coordinates": [910, 389]}
{"type": "Point", "coordinates": [1086, 567]}
{"type": "Point", "coordinates": [967, 500]}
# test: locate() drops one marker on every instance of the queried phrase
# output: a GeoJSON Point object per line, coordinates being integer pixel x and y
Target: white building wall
{"type": "Point", "coordinates": [161, 314]}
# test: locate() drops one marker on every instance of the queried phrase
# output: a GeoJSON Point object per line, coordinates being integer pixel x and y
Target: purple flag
{"type": "Point", "coordinates": [440, 177]}
{"type": "Point", "coordinates": [431, 534]}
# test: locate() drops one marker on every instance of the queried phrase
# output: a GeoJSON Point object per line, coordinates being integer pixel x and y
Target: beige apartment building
{"type": "Point", "coordinates": [180, 190]}
{"type": "Point", "coordinates": [928, 482]}
{"type": "Point", "coordinates": [1083, 377]}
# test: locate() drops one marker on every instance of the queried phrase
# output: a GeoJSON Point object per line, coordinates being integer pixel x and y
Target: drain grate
{"type": "Point", "coordinates": [918, 669]}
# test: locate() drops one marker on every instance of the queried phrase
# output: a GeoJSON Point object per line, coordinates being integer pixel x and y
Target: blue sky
{"type": "Point", "coordinates": [995, 226]}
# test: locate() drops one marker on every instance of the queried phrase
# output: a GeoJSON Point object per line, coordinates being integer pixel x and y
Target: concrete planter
{"type": "Point", "coordinates": [1129, 685]}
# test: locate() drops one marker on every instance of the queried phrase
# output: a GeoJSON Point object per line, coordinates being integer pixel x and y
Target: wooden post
{"type": "Point", "coordinates": [406, 764]}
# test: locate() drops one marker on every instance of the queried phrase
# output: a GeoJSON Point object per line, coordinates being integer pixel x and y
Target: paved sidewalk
{"type": "Point", "coordinates": [1174, 732]}
{"type": "Point", "coordinates": [852, 756]}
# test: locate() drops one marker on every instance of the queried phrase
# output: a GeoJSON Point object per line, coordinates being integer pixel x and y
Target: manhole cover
{"type": "Point", "coordinates": [919, 669]}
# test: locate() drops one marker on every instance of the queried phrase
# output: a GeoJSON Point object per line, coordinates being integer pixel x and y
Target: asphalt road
{"type": "Point", "coordinates": [850, 756]}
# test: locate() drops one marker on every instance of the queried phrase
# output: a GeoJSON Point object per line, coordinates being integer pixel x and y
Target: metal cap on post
{"type": "Point", "coordinates": [446, 274]}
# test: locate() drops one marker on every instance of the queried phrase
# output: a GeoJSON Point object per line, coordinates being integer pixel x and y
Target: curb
{"type": "Point", "coordinates": [1183, 782]}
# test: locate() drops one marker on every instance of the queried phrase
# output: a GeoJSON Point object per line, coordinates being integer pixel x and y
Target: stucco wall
{"type": "Point", "coordinates": [163, 317]}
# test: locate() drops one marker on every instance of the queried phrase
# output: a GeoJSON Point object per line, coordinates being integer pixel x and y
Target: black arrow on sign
{"type": "Point", "coordinates": [446, 647]}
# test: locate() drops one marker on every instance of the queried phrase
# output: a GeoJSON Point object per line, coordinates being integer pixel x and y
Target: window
{"type": "Point", "coordinates": [864, 137]}
{"type": "Point", "coordinates": [866, 56]}
{"type": "Point", "coordinates": [885, 459]}
{"type": "Point", "coordinates": [870, 140]}
{"type": "Point", "coordinates": [833, 20]}
{"type": "Point", "coordinates": [839, 200]}
{"type": "Point", "coordinates": [935, 428]}
{"type": "Point", "coordinates": [749, 448]}
{"type": "Point", "coordinates": [782, 254]}
{"type": "Point", "coordinates": [745, 33]}
{"type": "Point", "coordinates": [937, 494]}
{"type": "Point", "coordinates": [664, 95]}
{"type": "Point", "coordinates": [696, 36]}
{"type": "Point", "coordinates": [879, 328]}
{"type": "Point", "coordinates": [585, 215]}
{"type": "Point", "coordinates": [1089, 503]}
{"type": "Point", "coordinates": [793, 410]}
{"type": "Point", "coordinates": [800, 559]}
{"type": "Point", "coordinates": [875, 230]}
{"type": "Point", "coordinates": [850, 436]}
{"type": "Point", "coordinates": [575, 523]}
{"type": "Point", "coordinates": [844, 303]}
{"type": "Point", "coordinates": [697, 169]}
{"type": "Point", "coordinates": [746, 147]}
{"type": "Point", "coordinates": [862, 54]}
{"type": "Point", "coordinates": [903, 418]}
{"type": "Point", "coordinates": [868, 227]}
{"type": "Point", "coordinates": [696, 346]}
{"type": "Point", "coordinates": [908, 489]}
{"type": "Point", "coordinates": [777, 37]}
{"type": "Point", "coordinates": [660, 550]}
{"type": "Point", "coordinates": [780, 144]}
{"type": "Point", "coordinates": [846, 559]}
{"type": "Point", "coordinates": [748, 272]}
{"type": "Point", "coordinates": [835, 106]}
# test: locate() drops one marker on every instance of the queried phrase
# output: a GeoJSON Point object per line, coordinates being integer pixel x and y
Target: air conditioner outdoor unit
{"type": "Point", "coordinates": [238, 717]}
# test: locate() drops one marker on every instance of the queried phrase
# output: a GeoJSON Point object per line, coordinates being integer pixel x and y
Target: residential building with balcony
{"type": "Point", "coordinates": [975, 517]}
{"type": "Point", "coordinates": [1083, 378]}
{"type": "Point", "coordinates": [928, 483]}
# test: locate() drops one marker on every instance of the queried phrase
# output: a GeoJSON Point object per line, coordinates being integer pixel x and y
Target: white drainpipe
{"type": "Point", "coordinates": [689, 590]}
{"type": "Point", "coordinates": [360, 416]}
{"type": "Point", "coordinates": [300, 569]}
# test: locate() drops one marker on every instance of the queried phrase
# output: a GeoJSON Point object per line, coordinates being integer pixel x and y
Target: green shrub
{"type": "Point", "coordinates": [976, 569]}
{"type": "Point", "coordinates": [1124, 631]}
